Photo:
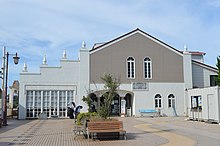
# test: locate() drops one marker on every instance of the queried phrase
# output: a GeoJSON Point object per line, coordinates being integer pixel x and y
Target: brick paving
{"type": "Point", "coordinates": [60, 133]}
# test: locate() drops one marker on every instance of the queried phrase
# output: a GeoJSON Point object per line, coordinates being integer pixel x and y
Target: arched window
{"type": "Point", "coordinates": [171, 100]}
{"type": "Point", "coordinates": [130, 68]}
{"type": "Point", "coordinates": [158, 101]}
{"type": "Point", "coordinates": [147, 68]}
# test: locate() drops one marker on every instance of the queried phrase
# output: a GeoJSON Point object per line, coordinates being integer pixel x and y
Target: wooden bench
{"type": "Point", "coordinates": [105, 127]}
{"type": "Point", "coordinates": [149, 112]}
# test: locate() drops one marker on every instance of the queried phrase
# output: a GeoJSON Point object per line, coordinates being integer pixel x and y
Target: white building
{"type": "Point", "coordinates": [204, 104]}
{"type": "Point", "coordinates": [153, 75]}
{"type": "Point", "coordinates": [54, 88]}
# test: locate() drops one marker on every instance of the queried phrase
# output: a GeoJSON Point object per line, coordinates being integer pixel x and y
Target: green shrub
{"type": "Point", "coordinates": [85, 116]}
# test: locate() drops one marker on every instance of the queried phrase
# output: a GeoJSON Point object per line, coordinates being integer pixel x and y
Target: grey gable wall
{"type": "Point", "coordinates": [167, 65]}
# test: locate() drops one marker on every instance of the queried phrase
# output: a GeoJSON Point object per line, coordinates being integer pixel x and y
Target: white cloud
{"type": "Point", "coordinates": [33, 28]}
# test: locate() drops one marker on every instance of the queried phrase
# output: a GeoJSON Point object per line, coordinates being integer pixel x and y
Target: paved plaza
{"type": "Point", "coordinates": [144, 131]}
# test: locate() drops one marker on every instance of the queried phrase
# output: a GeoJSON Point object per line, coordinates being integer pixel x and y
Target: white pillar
{"type": "Point", "coordinates": [33, 105]}
{"type": "Point", "coordinates": [84, 76]}
{"type": "Point", "coordinates": [66, 105]}
{"type": "Point", "coordinates": [42, 100]}
{"type": "Point", "coordinates": [188, 83]}
{"type": "Point", "coordinates": [58, 103]}
{"type": "Point", "coordinates": [50, 104]}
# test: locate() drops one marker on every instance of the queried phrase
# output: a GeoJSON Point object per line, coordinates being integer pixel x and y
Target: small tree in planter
{"type": "Point", "coordinates": [111, 85]}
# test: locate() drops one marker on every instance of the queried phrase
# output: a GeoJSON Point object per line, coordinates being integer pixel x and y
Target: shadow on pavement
{"type": "Point", "coordinates": [13, 123]}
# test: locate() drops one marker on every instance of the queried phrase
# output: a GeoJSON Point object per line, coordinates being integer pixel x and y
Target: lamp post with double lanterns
{"type": "Point", "coordinates": [4, 77]}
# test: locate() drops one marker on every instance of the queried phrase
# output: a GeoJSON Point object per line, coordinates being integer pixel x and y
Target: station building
{"type": "Point", "coordinates": [153, 75]}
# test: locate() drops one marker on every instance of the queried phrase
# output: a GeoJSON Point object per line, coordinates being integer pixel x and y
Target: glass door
{"type": "Point", "coordinates": [37, 103]}
{"type": "Point", "coordinates": [62, 104]}
{"type": "Point", "coordinates": [29, 104]}
{"type": "Point", "coordinates": [54, 96]}
{"type": "Point", "coordinates": [46, 101]}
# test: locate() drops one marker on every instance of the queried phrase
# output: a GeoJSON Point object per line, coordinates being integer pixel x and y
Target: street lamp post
{"type": "Point", "coordinates": [5, 81]}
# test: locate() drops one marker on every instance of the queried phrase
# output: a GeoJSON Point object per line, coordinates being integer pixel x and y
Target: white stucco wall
{"type": "Point", "coordinates": [145, 99]}
{"type": "Point", "coordinates": [187, 69]}
{"type": "Point", "coordinates": [65, 77]}
{"type": "Point", "coordinates": [83, 77]}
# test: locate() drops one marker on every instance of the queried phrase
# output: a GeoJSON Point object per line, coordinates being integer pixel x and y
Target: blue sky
{"type": "Point", "coordinates": [37, 27]}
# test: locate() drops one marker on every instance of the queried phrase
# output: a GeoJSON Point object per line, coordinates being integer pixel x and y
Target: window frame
{"type": "Point", "coordinates": [158, 101]}
{"type": "Point", "coordinates": [171, 101]}
{"type": "Point", "coordinates": [213, 80]}
{"type": "Point", "coordinates": [146, 68]}
{"type": "Point", "coordinates": [129, 64]}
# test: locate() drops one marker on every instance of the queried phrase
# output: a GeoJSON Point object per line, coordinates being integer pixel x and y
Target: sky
{"type": "Point", "coordinates": [34, 28]}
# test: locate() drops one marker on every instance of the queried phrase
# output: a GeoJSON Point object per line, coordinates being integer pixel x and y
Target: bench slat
{"type": "Point", "coordinates": [105, 127]}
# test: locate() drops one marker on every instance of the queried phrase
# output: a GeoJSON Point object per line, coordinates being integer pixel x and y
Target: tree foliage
{"type": "Point", "coordinates": [88, 101]}
{"type": "Point", "coordinates": [111, 85]}
{"type": "Point", "coordinates": [218, 66]}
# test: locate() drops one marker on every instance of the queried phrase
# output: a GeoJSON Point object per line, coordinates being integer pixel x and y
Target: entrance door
{"type": "Point", "coordinates": [62, 104]}
{"type": "Point", "coordinates": [128, 99]}
{"type": "Point", "coordinates": [46, 102]}
{"type": "Point", "coordinates": [37, 103]}
{"type": "Point", "coordinates": [115, 106]}
{"type": "Point", "coordinates": [54, 101]}
{"type": "Point", "coordinates": [211, 106]}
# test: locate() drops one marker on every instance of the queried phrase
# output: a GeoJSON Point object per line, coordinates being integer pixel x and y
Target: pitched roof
{"type": "Point", "coordinates": [97, 47]}
{"type": "Point", "coordinates": [205, 66]}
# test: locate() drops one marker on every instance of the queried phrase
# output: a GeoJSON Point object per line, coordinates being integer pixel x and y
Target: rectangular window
{"type": "Point", "coordinates": [213, 80]}
{"type": "Point", "coordinates": [46, 102]}
{"type": "Point", "coordinates": [196, 102]}
{"type": "Point", "coordinates": [171, 102]}
{"type": "Point", "coordinates": [29, 104]}
{"type": "Point", "coordinates": [147, 68]}
{"type": "Point", "coordinates": [130, 68]}
{"type": "Point", "coordinates": [159, 103]}
{"type": "Point", "coordinates": [62, 104]}
{"type": "Point", "coordinates": [156, 103]}
{"type": "Point", "coordinates": [34, 105]}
